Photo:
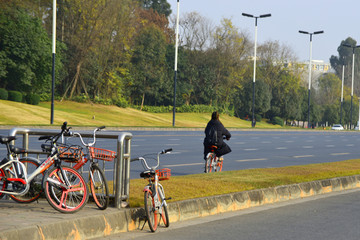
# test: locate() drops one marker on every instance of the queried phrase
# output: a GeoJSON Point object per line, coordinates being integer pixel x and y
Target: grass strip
{"type": "Point", "coordinates": [204, 185]}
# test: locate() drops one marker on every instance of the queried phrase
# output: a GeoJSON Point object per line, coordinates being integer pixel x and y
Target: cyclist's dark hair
{"type": "Point", "coordinates": [215, 115]}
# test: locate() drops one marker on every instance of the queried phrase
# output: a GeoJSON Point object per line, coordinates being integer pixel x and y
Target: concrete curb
{"type": "Point", "coordinates": [117, 221]}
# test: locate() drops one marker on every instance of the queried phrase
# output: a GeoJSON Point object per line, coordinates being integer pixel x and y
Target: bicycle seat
{"type": "Point", "coordinates": [4, 140]}
{"type": "Point", "coordinates": [147, 173]}
{"type": "Point", "coordinates": [17, 150]}
{"type": "Point", "coordinates": [46, 147]}
{"type": "Point", "coordinates": [213, 147]}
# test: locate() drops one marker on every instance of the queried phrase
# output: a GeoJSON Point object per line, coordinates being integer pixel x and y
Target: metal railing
{"type": "Point", "coordinates": [121, 174]}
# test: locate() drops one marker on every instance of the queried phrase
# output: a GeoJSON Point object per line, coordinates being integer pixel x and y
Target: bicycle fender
{"type": "Point", "coordinates": [147, 189]}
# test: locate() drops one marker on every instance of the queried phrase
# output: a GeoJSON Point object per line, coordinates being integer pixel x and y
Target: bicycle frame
{"type": "Point", "coordinates": [27, 179]}
{"type": "Point", "coordinates": [158, 193]}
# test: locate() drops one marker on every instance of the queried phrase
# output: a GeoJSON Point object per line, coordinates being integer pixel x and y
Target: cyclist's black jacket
{"type": "Point", "coordinates": [221, 131]}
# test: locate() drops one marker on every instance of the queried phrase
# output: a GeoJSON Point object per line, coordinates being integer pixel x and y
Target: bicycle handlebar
{"type": "Point", "coordinates": [82, 140]}
{"type": "Point", "coordinates": [145, 165]}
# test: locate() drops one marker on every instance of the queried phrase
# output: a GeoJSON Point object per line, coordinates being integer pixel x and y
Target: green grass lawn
{"type": "Point", "coordinates": [86, 114]}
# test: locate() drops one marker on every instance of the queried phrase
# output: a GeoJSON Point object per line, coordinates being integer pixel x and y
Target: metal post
{"type": "Point", "coordinates": [254, 75]}
{"type": "Point", "coordinates": [176, 59]}
{"type": "Point", "coordinates": [122, 170]}
{"type": "Point", "coordinates": [352, 87]}
{"type": "Point", "coordinates": [310, 65]}
{"type": "Point", "coordinates": [53, 62]}
{"type": "Point", "coordinates": [342, 92]}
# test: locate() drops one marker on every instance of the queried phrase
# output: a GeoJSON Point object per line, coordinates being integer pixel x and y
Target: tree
{"type": "Point", "coordinates": [148, 63]}
{"type": "Point", "coordinates": [25, 52]}
{"type": "Point", "coordinates": [345, 58]}
{"type": "Point", "coordinates": [161, 6]}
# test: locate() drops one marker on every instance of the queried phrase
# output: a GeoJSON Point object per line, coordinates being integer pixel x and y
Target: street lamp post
{"type": "Point", "coordinates": [53, 63]}
{"type": "Point", "coordinates": [254, 77]}
{"type": "Point", "coordinates": [352, 78]}
{"type": "Point", "coordinates": [310, 60]}
{"type": "Point", "coordinates": [176, 59]}
{"type": "Point", "coordinates": [342, 91]}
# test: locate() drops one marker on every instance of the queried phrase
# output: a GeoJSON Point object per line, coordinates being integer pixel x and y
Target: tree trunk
{"type": "Point", "coordinates": [142, 102]}
{"type": "Point", "coordinates": [76, 78]}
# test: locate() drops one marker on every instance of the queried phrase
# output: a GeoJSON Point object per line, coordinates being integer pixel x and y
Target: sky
{"type": "Point", "coordinates": [339, 19]}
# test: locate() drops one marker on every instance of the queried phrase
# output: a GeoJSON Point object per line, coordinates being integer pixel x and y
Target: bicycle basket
{"type": "Point", "coordinates": [70, 154]}
{"type": "Point", "coordinates": [164, 174]}
{"type": "Point", "coordinates": [102, 154]}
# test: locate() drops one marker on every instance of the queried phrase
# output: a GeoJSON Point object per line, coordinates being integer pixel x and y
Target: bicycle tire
{"type": "Point", "coordinates": [219, 166]}
{"type": "Point", "coordinates": [208, 163]}
{"type": "Point", "coordinates": [99, 187]}
{"type": "Point", "coordinates": [164, 210]}
{"type": "Point", "coordinates": [35, 189]}
{"type": "Point", "coordinates": [61, 199]}
{"type": "Point", "coordinates": [150, 210]}
{"type": "Point", "coordinates": [3, 182]}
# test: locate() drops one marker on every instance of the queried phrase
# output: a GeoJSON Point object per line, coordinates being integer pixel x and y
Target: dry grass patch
{"type": "Point", "coordinates": [203, 185]}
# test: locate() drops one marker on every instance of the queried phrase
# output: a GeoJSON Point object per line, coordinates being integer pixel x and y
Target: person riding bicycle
{"type": "Point", "coordinates": [216, 137]}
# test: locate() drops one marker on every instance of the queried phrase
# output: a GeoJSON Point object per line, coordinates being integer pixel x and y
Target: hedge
{"type": "Point", "coordinates": [15, 96]}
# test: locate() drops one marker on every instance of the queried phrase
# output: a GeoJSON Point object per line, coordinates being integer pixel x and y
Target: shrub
{"type": "Point", "coordinates": [258, 117]}
{"type": "Point", "coordinates": [15, 96]}
{"type": "Point", "coordinates": [33, 99]}
{"type": "Point", "coordinates": [121, 103]}
{"type": "Point", "coordinates": [277, 121]}
{"type": "Point", "coordinates": [3, 94]}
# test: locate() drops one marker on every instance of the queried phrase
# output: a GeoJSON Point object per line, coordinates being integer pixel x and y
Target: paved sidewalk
{"type": "Point", "coordinates": [39, 220]}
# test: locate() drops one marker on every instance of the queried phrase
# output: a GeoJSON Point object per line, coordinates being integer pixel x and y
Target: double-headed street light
{"type": "Point", "coordinates": [310, 60]}
{"type": "Point", "coordinates": [352, 78]}
{"type": "Point", "coordinates": [256, 18]}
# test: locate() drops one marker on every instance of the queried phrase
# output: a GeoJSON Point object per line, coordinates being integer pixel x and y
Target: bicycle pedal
{"type": "Point", "coordinates": [169, 198]}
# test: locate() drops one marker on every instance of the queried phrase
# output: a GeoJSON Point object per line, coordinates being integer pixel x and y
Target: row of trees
{"type": "Point", "coordinates": [122, 52]}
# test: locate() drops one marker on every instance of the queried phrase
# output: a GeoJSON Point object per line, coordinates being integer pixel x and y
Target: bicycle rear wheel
{"type": "Point", "coordinates": [65, 189]}
{"type": "Point", "coordinates": [99, 187]}
{"type": "Point", "coordinates": [35, 185]}
{"type": "Point", "coordinates": [219, 166]}
{"type": "Point", "coordinates": [3, 182]}
{"type": "Point", "coordinates": [150, 210]}
{"type": "Point", "coordinates": [209, 163]}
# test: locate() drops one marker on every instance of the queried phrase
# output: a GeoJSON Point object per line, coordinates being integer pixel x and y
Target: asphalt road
{"type": "Point", "coordinates": [324, 217]}
{"type": "Point", "coordinates": [250, 149]}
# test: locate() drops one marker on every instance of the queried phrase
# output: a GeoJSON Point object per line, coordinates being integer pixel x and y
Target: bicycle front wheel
{"type": "Point", "coordinates": [99, 187]}
{"type": "Point", "coordinates": [35, 185]}
{"type": "Point", "coordinates": [150, 210]}
{"type": "Point", "coordinates": [209, 163]}
{"type": "Point", "coordinates": [65, 189]}
{"type": "Point", "coordinates": [164, 210]}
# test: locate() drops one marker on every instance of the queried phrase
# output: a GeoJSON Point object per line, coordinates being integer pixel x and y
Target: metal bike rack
{"type": "Point", "coordinates": [121, 179]}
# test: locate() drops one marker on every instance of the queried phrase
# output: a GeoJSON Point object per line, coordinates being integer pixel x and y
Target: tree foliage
{"type": "Point", "coordinates": [122, 52]}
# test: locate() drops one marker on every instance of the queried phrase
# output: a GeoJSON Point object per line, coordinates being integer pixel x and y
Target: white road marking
{"type": "Point", "coordinates": [281, 148]}
{"type": "Point", "coordinates": [250, 149]}
{"type": "Point", "coordinates": [303, 156]}
{"type": "Point", "coordinates": [240, 143]}
{"type": "Point", "coordinates": [266, 142]}
{"type": "Point", "coordinates": [350, 145]}
{"type": "Point", "coordinates": [308, 146]}
{"type": "Point", "coordinates": [251, 160]}
{"type": "Point", "coordinates": [172, 144]}
{"type": "Point", "coordinates": [338, 154]}
{"type": "Point", "coordinates": [185, 164]}
{"type": "Point", "coordinates": [330, 146]}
